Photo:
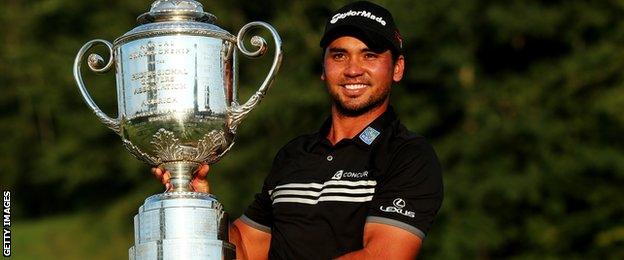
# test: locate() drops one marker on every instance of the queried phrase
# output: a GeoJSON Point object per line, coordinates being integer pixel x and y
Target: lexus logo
{"type": "Point", "coordinates": [398, 208]}
{"type": "Point", "coordinates": [399, 203]}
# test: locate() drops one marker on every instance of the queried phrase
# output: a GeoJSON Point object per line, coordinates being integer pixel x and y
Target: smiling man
{"type": "Point", "coordinates": [363, 186]}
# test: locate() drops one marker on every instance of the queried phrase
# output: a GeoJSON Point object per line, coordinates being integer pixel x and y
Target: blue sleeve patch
{"type": "Point", "coordinates": [369, 135]}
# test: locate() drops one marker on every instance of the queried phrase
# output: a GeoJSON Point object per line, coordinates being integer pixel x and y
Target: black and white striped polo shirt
{"type": "Point", "coordinates": [318, 196]}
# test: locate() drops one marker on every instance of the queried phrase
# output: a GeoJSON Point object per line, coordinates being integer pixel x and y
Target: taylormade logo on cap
{"type": "Point", "coordinates": [366, 14]}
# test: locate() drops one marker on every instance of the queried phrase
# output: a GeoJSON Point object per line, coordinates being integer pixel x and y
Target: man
{"type": "Point", "coordinates": [363, 187]}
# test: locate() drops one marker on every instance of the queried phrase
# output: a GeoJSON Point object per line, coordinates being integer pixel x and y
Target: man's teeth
{"type": "Point", "coordinates": [355, 86]}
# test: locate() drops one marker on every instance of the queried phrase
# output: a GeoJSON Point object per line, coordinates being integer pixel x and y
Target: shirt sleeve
{"type": "Point", "coordinates": [259, 214]}
{"type": "Point", "coordinates": [409, 192]}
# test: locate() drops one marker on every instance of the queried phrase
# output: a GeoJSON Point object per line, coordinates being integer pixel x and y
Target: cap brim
{"type": "Point", "coordinates": [373, 40]}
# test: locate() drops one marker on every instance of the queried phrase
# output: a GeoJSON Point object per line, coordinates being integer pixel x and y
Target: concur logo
{"type": "Point", "coordinates": [354, 175]}
{"type": "Point", "coordinates": [338, 175]}
{"type": "Point", "coordinates": [398, 207]}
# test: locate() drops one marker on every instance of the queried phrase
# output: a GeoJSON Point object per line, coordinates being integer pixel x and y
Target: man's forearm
{"type": "Point", "coordinates": [250, 243]}
{"type": "Point", "coordinates": [360, 254]}
{"type": "Point", "coordinates": [365, 254]}
{"type": "Point", "coordinates": [386, 242]}
{"type": "Point", "coordinates": [235, 238]}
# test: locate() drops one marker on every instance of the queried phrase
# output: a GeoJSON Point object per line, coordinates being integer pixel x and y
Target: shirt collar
{"type": "Point", "coordinates": [366, 137]}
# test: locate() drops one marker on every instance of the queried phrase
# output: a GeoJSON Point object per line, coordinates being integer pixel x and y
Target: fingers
{"type": "Point", "coordinates": [161, 175]}
{"type": "Point", "coordinates": [199, 182]}
{"type": "Point", "coordinates": [158, 173]}
{"type": "Point", "coordinates": [202, 172]}
{"type": "Point", "coordinates": [200, 185]}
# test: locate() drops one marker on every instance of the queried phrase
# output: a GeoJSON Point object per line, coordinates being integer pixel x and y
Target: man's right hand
{"type": "Point", "coordinates": [198, 183]}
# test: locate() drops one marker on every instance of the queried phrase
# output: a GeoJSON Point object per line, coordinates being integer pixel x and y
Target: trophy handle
{"type": "Point", "coordinates": [96, 64]}
{"type": "Point", "coordinates": [238, 112]}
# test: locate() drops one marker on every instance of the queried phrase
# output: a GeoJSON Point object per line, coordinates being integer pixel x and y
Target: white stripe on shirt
{"type": "Point", "coordinates": [326, 198]}
{"type": "Point", "coordinates": [318, 193]}
{"type": "Point", "coordinates": [290, 192]}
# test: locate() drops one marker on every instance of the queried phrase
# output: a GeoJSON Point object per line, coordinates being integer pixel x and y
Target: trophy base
{"type": "Point", "coordinates": [181, 225]}
{"type": "Point", "coordinates": [182, 249]}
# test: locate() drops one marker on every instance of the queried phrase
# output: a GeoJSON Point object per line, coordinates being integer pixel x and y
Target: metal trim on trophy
{"type": "Point", "coordinates": [176, 75]}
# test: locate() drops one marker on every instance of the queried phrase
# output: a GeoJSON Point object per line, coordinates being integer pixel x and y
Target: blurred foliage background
{"type": "Point", "coordinates": [521, 99]}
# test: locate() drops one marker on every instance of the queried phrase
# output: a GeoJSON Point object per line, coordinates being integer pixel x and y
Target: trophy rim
{"type": "Point", "coordinates": [180, 195]}
{"type": "Point", "coordinates": [155, 32]}
{"type": "Point", "coordinates": [151, 17]}
{"type": "Point", "coordinates": [167, 10]}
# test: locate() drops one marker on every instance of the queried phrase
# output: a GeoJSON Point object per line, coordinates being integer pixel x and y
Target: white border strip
{"type": "Point", "coordinates": [319, 193]}
{"type": "Point", "coordinates": [327, 198]}
{"type": "Point", "coordinates": [393, 222]}
{"type": "Point", "coordinates": [314, 185]}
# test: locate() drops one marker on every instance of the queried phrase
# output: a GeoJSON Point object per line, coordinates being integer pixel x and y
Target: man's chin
{"type": "Point", "coordinates": [350, 112]}
{"type": "Point", "coordinates": [354, 110]}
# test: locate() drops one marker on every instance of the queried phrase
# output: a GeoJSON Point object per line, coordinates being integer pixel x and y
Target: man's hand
{"type": "Point", "coordinates": [198, 183]}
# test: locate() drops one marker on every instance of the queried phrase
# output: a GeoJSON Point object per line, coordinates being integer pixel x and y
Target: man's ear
{"type": "Point", "coordinates": [399, 68]}
{"type": "Point", "coordinates": [323, 66]}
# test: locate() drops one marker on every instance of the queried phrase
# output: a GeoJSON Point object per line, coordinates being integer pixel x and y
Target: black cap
{"type": "Point", "coordinates": [370, 23]}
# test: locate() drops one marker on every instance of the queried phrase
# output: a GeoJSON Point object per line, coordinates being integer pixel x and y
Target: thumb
{"type": "Point", "coordinates": [202, 172]}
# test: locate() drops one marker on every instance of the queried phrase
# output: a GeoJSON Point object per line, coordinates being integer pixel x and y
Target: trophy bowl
{"type": "Point", "coordinates": [176, 77]}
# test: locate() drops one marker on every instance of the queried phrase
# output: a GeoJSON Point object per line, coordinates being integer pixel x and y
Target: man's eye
{"type": "Point", "coordinates": [370, 55]}
{"type": "Point", "coordinates": [338, 56]}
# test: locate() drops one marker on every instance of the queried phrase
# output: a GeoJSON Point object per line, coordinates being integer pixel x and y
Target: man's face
{"type": "Point", "coordinates": [357, 78]}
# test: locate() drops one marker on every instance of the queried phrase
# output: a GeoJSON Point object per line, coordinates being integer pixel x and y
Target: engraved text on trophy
{"type": "Point", "coordinates": [173, 74]}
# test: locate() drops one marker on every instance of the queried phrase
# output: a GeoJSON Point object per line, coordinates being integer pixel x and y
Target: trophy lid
{"type": "Point", "coordinates": [176, 10]}
{"type": "Point", "coordinates": [167, 17]}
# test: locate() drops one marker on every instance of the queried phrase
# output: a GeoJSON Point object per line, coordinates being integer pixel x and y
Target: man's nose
{"type": "Point", "coordinates": [354, 68]}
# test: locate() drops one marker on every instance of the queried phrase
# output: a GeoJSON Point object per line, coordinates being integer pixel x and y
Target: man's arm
{"type": "Point", "coordinates": [383, 241]}
{"type": "Point", "coordinates": [413, 183]}
{"type": "Point", "coordinates": [250, 243]}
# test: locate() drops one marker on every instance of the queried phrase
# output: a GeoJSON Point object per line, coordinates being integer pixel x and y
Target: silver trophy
{"type": "Point", "coordinates": [176, 78]}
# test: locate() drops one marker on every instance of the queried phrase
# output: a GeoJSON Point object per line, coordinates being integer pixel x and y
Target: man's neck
{"type": "Point", "coordinates": [346, 127]}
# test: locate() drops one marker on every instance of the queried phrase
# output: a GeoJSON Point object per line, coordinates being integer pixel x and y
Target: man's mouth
{"type": "Point", "coordinates": [355, 86]}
